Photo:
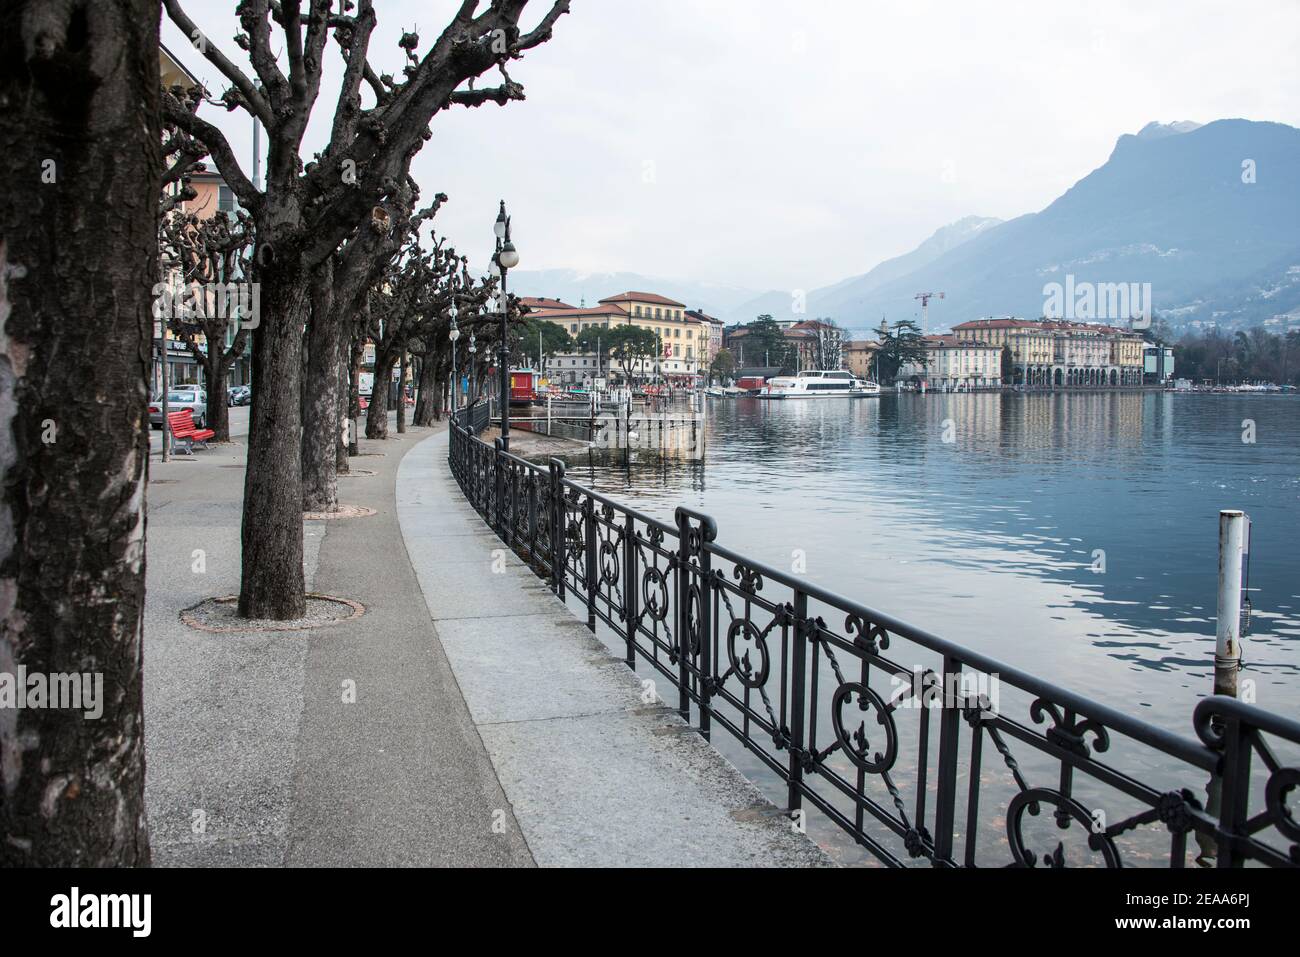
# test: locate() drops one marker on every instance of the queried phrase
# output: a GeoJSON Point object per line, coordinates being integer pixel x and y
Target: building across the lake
{"type": "Point", "coordinates": [684, 337]}
{"type": "Point", "coordinates": [860, 357]}
{"type": "Point", "coordinates": [956, 365]}
{"type": "Point", "coordinates": [1059, 352]}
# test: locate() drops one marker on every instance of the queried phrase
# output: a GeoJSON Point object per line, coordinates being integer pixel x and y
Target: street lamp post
{"type": "Point", "coordinates": [473, 350]}
{"type": "Point", "coordinates": [507, 258]}
{"type": "Point", "coordinates": [453, 334]}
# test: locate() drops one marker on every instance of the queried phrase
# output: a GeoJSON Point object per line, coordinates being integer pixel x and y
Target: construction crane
{"type": "Point", "coordinates": [925, 298]}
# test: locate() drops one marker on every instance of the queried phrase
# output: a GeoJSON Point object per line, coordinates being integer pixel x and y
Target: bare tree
{"type": "Point", "coordinates": [207, 253]}
{"type": "Point", "coordinates": [306, 212]}
{"type": "Point", "coordinates": [80, 167]}
{"type": "Point", "coordinates": [341, 285]}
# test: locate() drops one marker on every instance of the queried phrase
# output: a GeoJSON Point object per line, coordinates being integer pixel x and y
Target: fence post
{"type": "Point", "coordinates": [631, 590]}
{"type": "Point", "coordinates": [500, 485]}
{"type": "Point", "coordinates": [1235, 791]}
{"type": "Point", "coordinates": [946, 779]}
{"type": "Point", "coordinates": [559, 528]}
{"type": "Point", "coordinates": [532, 517]}
{"type": "Point", "coordinates": [798, 692]}
{"type": "Point", "coordinates": [589, 534]}
{"type": "Point", "coordinates": [708, 532]}
{"type": "Point", "coordinates": [683, 640]}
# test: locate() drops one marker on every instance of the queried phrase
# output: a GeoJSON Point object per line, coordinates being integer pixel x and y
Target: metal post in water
{"type": "Point", "coordinates": [1227, 649]}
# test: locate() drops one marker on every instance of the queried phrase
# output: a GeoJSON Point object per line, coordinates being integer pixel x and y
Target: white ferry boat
{"type": "Point", "coordinates": [818, 384]}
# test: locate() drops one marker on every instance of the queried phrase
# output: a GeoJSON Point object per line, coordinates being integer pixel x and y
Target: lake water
{"type": "Point", "coordinates": [1072, 535]}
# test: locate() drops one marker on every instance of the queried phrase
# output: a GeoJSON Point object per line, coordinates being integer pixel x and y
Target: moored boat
{"type": "Point", "coordinates": [819, 384]}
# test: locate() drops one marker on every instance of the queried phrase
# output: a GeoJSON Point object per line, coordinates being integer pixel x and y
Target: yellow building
{"type": "Point", "coordinates": [684, 339]}
{"type": "Point", "coordinates": [860, 357]}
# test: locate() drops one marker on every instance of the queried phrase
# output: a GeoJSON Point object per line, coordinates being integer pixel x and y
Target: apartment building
{"type": "Point", "coordinates": [684, 339]}
{"type": "Point", "coordinates": [1060, 352]}
{"type": "Point", "coordinates": [956, 365]}
{"type": "Point", "coordinates": [860, 357]}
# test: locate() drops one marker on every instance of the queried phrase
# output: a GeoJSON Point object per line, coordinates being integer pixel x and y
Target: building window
{"type": "Point", "coordinates": [226, 199]}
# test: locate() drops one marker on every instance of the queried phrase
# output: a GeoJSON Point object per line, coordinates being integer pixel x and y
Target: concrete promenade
{"type": "Point", "coordinates": [489, 728]}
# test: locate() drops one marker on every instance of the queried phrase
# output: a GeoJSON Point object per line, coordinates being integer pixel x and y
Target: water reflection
{"type": "Point", "coordinates": [1074, 536]}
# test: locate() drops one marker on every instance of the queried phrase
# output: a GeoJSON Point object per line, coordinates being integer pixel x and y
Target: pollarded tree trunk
{"type": "Point", "coordinates": [271, 580]}
{"type": "Point", "coordinates": [320, 432]}
{"type": "Point", "coordinates": [80, 170]}
{"type": "Point", "coordinates": [377, 412]}
{"type": "Point", "coordinates": [429, 391]}
{"type": "Point", "coordinates": [216, 368]}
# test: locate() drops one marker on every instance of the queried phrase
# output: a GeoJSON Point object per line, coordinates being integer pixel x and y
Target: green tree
{"type": "Point", "coordinates": [767, 344]}
{"type": "Point", "coordinates": [1008, 366]}
{"type": "Point", "coordinates": [554, 340]}
{"type": "Point", "coordinates": [628, 345]}
{"type": "Point", "coordinates": [899, 345]}
{"type": "Point", "coordinates": [723, 365]}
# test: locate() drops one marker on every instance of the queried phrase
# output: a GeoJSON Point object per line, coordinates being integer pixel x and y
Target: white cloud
{"type": "Point", "coordinates": [794, 144]}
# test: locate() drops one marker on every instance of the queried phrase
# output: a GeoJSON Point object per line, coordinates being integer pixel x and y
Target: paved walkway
{"type": "Point", "coordinates": [594, 775]}
{"type": "Point", "coordinates": [489, 727]}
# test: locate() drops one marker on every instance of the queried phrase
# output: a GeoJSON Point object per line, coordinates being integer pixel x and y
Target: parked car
{"type": "Point", "coordinates": [196, 400]}
{"type": "Point", "coordinates": [239, 395]}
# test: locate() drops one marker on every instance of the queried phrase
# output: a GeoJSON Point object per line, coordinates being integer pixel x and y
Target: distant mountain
{"type": "Point", "coordinates": [1208, 215]}
{"type": "Point", "coordinates": [572, 286]}
{"type": "Point", "coordinates": [818, 301]}
{"type": "Point", "coordinates": [1173, 206]}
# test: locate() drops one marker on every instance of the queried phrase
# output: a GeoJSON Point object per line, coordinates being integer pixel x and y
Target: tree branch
{"type": "Point", "coordinates": [256, 103]}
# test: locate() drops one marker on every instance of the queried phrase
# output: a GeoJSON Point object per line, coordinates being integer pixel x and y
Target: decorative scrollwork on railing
{"type": "Point", "coordinates": [694, 622]}
{"type": "Point", "coordinates": [749, 675]}
{"type": "Point", "coordinates": [869, 637]}
{"type": "Point", "coordinates": [654, 593]}
{"type": "Point", "coordinates": [750, 581]}
{"type": "Point", "coordinates": [1069, 810]}
{"type": "Point", "coordinates": [610, 562]}
{"type": "Point", "coordinates": [1067, 731]}
{"type": "Point", "coordinates": [856, 744]}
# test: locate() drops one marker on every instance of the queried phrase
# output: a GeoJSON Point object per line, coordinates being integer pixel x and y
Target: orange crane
{"type": "Point", "coordinates": [925, 298]}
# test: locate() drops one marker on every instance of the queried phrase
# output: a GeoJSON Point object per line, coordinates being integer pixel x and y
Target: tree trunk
{"type": "Point", "coordinates": [271, 583]}
{"type": "Point", "coordinates": [320, 432]}
{"type": "Point", "coordinates": [377, 412]}
{"type": "Point", "coordinates": [429, 391]}
{"type": "Point", "coordinates": [401, 394]}
{"type": "Point", "coordinates": [217, 416]}
{"type": "Point", "coordinates": [354, 394]}
{"type": "Point", "coordinates": [81, 167]}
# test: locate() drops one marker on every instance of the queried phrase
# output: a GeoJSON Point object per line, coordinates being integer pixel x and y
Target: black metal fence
{"type": "Point", "coordinates": [917, 748]}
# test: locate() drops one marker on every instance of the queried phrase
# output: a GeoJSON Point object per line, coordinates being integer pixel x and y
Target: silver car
{"type": "Point", "coordinates": [196, 400]}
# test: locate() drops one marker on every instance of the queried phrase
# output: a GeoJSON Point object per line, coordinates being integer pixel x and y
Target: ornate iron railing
{"type": "Point", "coordinates": [901, 738]}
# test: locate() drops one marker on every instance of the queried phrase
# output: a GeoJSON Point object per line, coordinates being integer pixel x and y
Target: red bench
{"type": "Point", "coordinates": [182, 428]}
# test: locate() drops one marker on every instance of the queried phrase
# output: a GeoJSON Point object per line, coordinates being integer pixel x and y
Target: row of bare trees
{"type": "Point", "coordinates": [336, 247]}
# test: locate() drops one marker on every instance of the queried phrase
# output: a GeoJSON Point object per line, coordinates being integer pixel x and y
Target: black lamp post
{"type": "Point", "coordinates": [506, 259]}
{"type": "Point", "coordinates": [453, 334]}
{"type": "Point", "coordinates": [473, 350]}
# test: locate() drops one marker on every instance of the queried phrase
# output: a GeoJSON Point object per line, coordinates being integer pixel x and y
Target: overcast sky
{"type": "Point", "coordinates": [777, 144]}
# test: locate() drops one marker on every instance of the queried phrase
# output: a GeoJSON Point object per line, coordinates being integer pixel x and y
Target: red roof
{"type": "Point", "coordinates": [544, 303]}
{"type": "Point", "coordinates": [644, 297]}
